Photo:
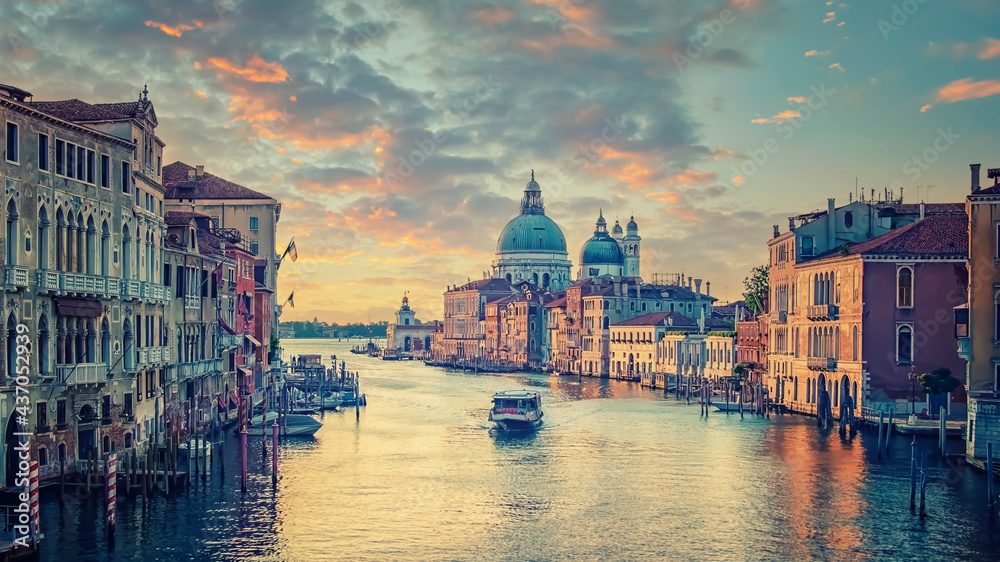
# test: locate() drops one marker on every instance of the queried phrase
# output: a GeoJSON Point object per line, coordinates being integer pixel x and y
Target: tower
{"type": "Point", "coordinates": [631, 246]}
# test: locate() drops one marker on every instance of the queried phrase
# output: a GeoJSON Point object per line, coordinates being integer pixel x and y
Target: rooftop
{"type": "Point", "coordinates": [944, 235]}
{"type": "Point", "coordinates": [208, 186]}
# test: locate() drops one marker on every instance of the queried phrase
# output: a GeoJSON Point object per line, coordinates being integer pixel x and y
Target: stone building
{"type": "Point", "coordinates": [408, 335]}
{"type": "Point", "coordinates": [978, 322]}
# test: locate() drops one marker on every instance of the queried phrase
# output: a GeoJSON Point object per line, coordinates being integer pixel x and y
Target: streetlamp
{"type": "Point", "coordinates": [913, 379]}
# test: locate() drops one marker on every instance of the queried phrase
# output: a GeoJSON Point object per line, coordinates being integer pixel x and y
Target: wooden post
{"type": "Point", "coordinates": [888, 430]}
{"type": "Point", "coordinates": [923, 486]}
{"type": "Point", "coordinates": [942, 430]}
{"type": "Point", "coordinates": [357, 403]}
{"type": "Point", "coordinates": [739, 396]}
{"type": "Point", "coordinates": [243, 459]}
{"type": "Point", "coordinates": [991, 499]}
{"type": "Point", "coordinates": [881, 421]}
{"type": "Point", "coordinates": [274, 453]}
{"type": "Point", "coordinates": [913, 473]}
{"type": "Point", "coordinates": [62, 476]}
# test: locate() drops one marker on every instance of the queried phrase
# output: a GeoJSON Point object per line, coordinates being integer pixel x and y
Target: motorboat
{"type": "Point", "coordinates": [729, 407]}
{"type": "Point", "coordinates": [351, 398]}
{"type": "Point", "coordinates": [299, 425]}
{"type": "Point", "coordinates": [517, 410]}
{"type": "Point", "coordinates": [330, 401]}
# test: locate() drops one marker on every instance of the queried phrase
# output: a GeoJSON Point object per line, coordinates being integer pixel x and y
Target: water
{"type": "Point", "coordinates": [616, 472]}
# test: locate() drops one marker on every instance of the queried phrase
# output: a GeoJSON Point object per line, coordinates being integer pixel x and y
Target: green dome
{"type": "Point", "coordinates": [531, 233]}
{"type": "Point", "coordinates": [601, 249]}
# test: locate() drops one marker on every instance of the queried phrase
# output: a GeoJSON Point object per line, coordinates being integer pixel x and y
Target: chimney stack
{"type": "Point", "coordinates": [201, 171]}
{"type": "Point", "coordinates": [975, 176]}
{"type": "Point", "coordinates": [922, 210]}
{"type": "Point", "coordinates": [697, 286]}
{"type": "Point", "coordinates": [791, 224]}
{"type": "Point", "coordinates": [708, 288]}
{"type": "Point", "coordinates": [776, 231]}
{"type": "Point", "coordinates": [690, 283]}
{"type": "Point", "coordinates": [831, 222]}
{"type": "Point", "coordinates": [191, 175]}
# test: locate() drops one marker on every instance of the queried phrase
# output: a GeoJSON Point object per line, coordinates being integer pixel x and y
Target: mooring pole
{"type": "Point", "coordinates": [942, 430]}
{"type": "Point", "coordinates": [274, 452]}
{"type": "Point", "coordinates": [913, 473]}
{"type": "Point", "coordinates": [989, 476]}
{"type": "Point", "coordinates": [243, 459]}
{"type": "Point", "coordinates": [923, 486]}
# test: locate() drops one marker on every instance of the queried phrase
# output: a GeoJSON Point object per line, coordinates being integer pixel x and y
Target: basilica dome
{"type": "Point", "coordinates": [531, 233]}
{"type": "Point", "coordinates": [601, 248]}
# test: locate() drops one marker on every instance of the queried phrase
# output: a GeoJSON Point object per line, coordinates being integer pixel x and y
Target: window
{"type": "Point", "coordinates": [43, 456]}
{"type": "Point", "coordinates": [81, 159]}
{"type": "Point", "coordinates": [106, 407]}
{"type": "Point", "coordinates": [41, 412]}
{"type": "Point", "coordinates": [215, 221]}
{"type": "Point", "coordinates": [127, 409]}
{"type": "Point", "coordinates": [254, 223]}
{"type": "Point", "coordinates": [105, 170]}
{"type": "Point", "coordinates": [254, 247]}
{"type": "Point", "coordinates": [998, 242]}
{"type": "Point", "coordinates": [13, 142]}
{"type": "Point", "coordinates": [70, 160]}
{"type": "Point", "coordinates": [848, 219]}
{"type": "Point", "coordinates": [43, 152]}
{"type": "Point", "coordinates": [61, 413]}
{"type": "Point", "coordinates": [996, 321]}
{"type": "Point", "coordinates": [807, 246]}
{"type": "Point", "coordinates": [904, 345]}
{"type": "Point", "coordinates": [126, 177]}
{"type": "Point", "coordinates": [159, 165]}
{"type": "Point", "coordinates": [90, 166]}
{"type": "Point", "coordinates": [904, 282]}
{"type": "Point", "coordinates": [166, 274]}
{"type": "Point", "coordinates": [60, 157]}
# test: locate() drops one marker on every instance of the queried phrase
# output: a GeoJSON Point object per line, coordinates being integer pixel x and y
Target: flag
{"type": "Point", "coordinates": [243, 307]}
{"type": "Point", "coordinates": [293, 252]}
{"type": "Point", "coordinates": [218, 275]}
{"type": "Point", "coordinates": [290, 301]}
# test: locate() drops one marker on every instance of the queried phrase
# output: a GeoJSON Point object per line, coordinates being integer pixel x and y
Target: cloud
{"type": "Point", "coordinates": [830, 16]}
{"type": "Point", "coordinates": [256, 70]}
{"type": "Point", "coordinates": [991, 49]}
{"type": "Point", "coordinates": [786, 114]}
{"type": "Point", "coordinates": [798, 99]}
{"type": "Point", "coordinates": [837, 66]}
{"type": "Point", "coordinates": [926, 108]}
{"type": "Point", "coordinates": [815, 53]}
{"type": "Point", "coordinates": [174, 31]}
{"type": "Point", "coordinates": [493, 16]}
{"type": "Point", "coordinates": [966, 89]}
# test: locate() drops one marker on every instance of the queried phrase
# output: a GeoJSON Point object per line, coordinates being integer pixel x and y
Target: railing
{"type": "Point", "coordinates": [16, 276]}
{"type": "Point", "coordinates": [779, 317]}
{"type": "Point", "coordinates": [47, 280]}
{"type": "Point", "coordinates": [821, 312]}
{"type": "Point", "coordinates": [965, 348]}
{"type": "Point", "coordinates": [82, 373]}
{"type": "Point", "coordinates": [131, 289]}
{"type": "Point", "coordinates": [230, 340]}
{"type": "Point", "coordinates": [821, 363]}
{"type": "Point", "coordinates": [195, 368]}
{"type": "Point", "coordinates": [192, 301]}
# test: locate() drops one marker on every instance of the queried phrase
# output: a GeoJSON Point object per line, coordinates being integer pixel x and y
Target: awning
{"type": "Point", "coordinates": [245, 371]}
{"type": "Point", "coordinates": [253, 340]}
{"type": "Point", "coordinates": [226, 327]}
{"type": "Point", "coordinates": [89, 308]}
{"type": "Point", "coordinates": [222, 401]}
{"type": "Point", "coordinates": [234, 398]}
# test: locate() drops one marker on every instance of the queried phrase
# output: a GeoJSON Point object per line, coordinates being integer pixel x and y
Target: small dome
{"type": "Point", "coordinates": [632, 227]}
{"type": "Point", "coordinates": [532, 185]}
{"type": "Point", "coordinates": [601, 249]}
{"type": "Point", "coordinates": [617, 230]}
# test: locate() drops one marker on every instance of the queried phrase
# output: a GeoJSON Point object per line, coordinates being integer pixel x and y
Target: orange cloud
{"type": "Point", "coordinates": [571, 36]}
{"type": "Point", "coordinates": [257, 70]}
{"type": "Point", "coordinates": [830, 16]}
{"type": "Point", "coordinates": [174, 31]}
{"type": "Point", "coordinates": [837, 66]}
{"type": "Point", "coordinates": [493, 16]}
{"type": "Point", "coordinates": [992, 49]}
{"type": "Point", "coordinates": [966, 89]}
{"type": "Point", "coordinates": [690, 177]}
{"type": "Point", "coordinates": [926, 108]}
{"type": "Point", "coordinates": [664, 197]}
{"type": "Point", "coordinates": [815, 53]}
{"type": "Point", "coordinates": [786, 114]}
{"type": "Point", "coordinates": [569, 10]}
{"type": "Point", "coordinates": [797, 99]}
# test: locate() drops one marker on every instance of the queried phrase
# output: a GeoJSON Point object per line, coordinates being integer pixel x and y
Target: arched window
{"type": "Point", "coordinates": [904, 345]}
{"type": "Point", "coordinates": [509, 279]}
{"type": "Point", "coordinates": [12, 245]}
{"type": "Point", "coordinates": [43, 238]}
{"type": "Point", "coordinates": [904, 283]}
{"type": "Point", "coordinates": [631, 306]}
{"type": "Point", "coordinates": [854, 344]}
{"type": "Point", "coordinates": [644, 307]}
{"type": "Point", "coordinates": [606, 323]}
{"type": "Point", "coordinates": [848, 219]}
{"type": "Point", "coordinates": [545, 280]}
{"type": "Point", "coordinates": [857, 284]}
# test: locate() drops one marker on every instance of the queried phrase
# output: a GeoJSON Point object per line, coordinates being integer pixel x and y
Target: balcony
{"type": "Point", "coordinates": [821, 363]}
{"type": "Point", "coordinates": [152, 355]}
{"type": "Point", "coordinates": [197, 368]}
{"type": "Point", "coordinates": [229, 341]}
{"type": "Point", "coordinates": [131, 289]}
{"type": "Point", "coordinates": [47, 281]}
{"type": "Point", "coordinates": [192, 301]}
{"type": "Point", "coordinates": [16, 276]}
{"type": "Point", "coordinates": [82, 373]}
{"type": "Point", "coordinates": [779, 317]}
{"type": "Point", "coordinates": [821, 312]}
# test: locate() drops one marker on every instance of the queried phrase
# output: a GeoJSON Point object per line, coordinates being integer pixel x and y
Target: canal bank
{"type": "Point", "coordinates": [615, 472]}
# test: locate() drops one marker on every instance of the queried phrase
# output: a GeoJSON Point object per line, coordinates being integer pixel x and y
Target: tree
{"type": "Point", "coordinates": [938, 381]}
{"type": "Point", "coordinates": [757, 286]}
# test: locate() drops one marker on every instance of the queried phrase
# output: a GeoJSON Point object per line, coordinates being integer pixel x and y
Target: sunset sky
{"type": "Point", "coordinates": [399, 135]}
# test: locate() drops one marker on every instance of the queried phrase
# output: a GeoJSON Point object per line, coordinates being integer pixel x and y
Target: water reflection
{"type": "Point", "coordinates": [615, 472]}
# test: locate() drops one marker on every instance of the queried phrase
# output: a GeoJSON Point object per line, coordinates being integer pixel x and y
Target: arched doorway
{"type": "Point", "coordinates": [12, 453]}
{"type": "Point", "coordinates": [85, 434]}
{"type": "Point", "coordinates": [427, 343]}
{"type": "Point", "coordinates": [407, 344]}
{"type": "Point", "coordinates": [820, 385]}
{"type": "Point", "coordinates": [631, 365]}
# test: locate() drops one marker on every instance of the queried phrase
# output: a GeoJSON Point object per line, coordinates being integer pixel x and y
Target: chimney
{"type": "Point", "coordinates": [831, 222]}
{"type": "Point", "coordinates": [697, 286]}
{"type": "Point", "coordinates": [776, 231]}
{"type": "Point", "coordinates": [708, 288]}
{"type": "Point", "coordinates": [201, 171]}
{"type": "Point", "coordinates": [975, 176]}
{"type": "Point", "coordinates": [191, 174]}
{"type": "Point", "coordinates": [791, 224]}
{"type": "Point", "coordinates": [922, 210]}
{"type": "Point", "coordinates": [690, 283]}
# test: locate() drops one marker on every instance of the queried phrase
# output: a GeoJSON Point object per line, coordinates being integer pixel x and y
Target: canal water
{"type": "Point", "coordinates": [616, 472]}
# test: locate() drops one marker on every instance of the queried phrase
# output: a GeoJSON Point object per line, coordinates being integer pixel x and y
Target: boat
{"type": "Point", "coordinates": [330, 401]}
{"type": "Point", "coordinates": [730, 407]}
{"type": "Point", "coordinates": [517, 410]}
{"type": "Point", "coordinates": [390, 354]}
{"type": "Point", "coordinates": [296, 425]}
{"type": "Point", "coordinates": [350, 398]}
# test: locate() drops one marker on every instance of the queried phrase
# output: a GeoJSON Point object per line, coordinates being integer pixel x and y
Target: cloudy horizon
{"type": "Point", "coordinates": [398, 135]}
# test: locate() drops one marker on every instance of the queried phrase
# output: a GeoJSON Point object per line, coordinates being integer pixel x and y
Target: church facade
{"type": "Point", "coordinates": [408, 334]}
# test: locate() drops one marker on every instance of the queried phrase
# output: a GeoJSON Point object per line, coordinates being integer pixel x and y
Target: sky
{"type": "Point", "coordinates": [399, 134]}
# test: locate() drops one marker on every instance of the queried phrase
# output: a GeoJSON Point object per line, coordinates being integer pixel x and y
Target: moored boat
{"type": "Point", "coordinates": [295, 425]}
{"type": "Point", "coordinates": [517, 410]}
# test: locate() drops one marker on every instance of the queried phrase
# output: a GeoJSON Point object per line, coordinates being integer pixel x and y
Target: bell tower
{"type": "Point", "coordinates": [630, 244]}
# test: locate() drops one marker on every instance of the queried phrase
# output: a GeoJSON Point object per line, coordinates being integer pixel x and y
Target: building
{"type": "Point", "coordinates": [692, 347]}
{"type": "Point", "coordinates": [532, 246]}
{"type": "Point", "coordinates": [978, 322]}
{"type": "Point", "coordinates": [850, 293]}
{"type": "Point", "coordinates": [751, 342]}
{"type": "Point", "coordinates": [408, 335]}
{"type": "Point", "coordinates": [464, 311]}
